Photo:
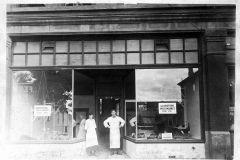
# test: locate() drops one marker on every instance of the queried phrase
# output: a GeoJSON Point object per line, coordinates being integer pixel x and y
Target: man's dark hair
{"type": "Point", "coordinates": [113, 110]}
{"type": "Point", "coordinates": [90, 113]}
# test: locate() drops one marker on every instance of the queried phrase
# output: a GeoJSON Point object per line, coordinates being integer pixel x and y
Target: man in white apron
{"type": "Point", "coordinates": [114, 123]}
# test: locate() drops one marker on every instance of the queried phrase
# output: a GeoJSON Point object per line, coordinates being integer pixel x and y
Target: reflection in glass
{"type": "Point", "coordinates": [42, 102]}
{"type": "Point", "coordinates": [168, 102]}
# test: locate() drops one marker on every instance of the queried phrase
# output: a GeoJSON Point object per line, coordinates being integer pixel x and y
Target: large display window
{"type": "Point", "coordinates": [41, 105]}
{"type": "Point", "coordinates": [167, 105]}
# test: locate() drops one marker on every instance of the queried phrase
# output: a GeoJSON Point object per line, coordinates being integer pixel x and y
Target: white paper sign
{"type": "Point", "coordinates": [167, 136]}
{"type": "Point", "coordinates": [167, 108]}
{"type": "Point", "coordinates": [42, 110]}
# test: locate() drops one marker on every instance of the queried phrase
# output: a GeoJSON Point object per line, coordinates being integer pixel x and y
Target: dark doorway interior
{"type": "Point", "coordinates": [105, 106]}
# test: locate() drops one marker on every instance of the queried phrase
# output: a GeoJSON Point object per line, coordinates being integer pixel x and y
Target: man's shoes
{"type": "Point", "coordinates": [119, 153]}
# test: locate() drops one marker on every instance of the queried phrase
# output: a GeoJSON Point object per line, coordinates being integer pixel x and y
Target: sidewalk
{"type": "Point", "coordinates": [24, 152]}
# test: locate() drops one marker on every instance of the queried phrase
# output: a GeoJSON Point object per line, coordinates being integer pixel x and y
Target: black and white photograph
{"type": "Point", "coordinates": [119, 80]}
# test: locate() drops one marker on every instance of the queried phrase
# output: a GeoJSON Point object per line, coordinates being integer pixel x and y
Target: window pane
{"type": "Point", "coordinates": [18, 60]}
{"type": "Point", "coordinates": [118, 58]}
{"type": "Point", "coordinates": [104, 46]}
{"type": "Point", "coordinates": [168, 102]}
{"type": "Point", "coordinates": [33, 91]}
{"type": "Point", "coordinates": [162, 57]}
{"type": "Point", "coordinates": [147, 45]}
{"type": "Point", "coordinates": [47, 46]}
{"type": "Point", "coordinates": [118, 45]}
{"type": "Point", "coordinates": [47, 60]}
{"type": "Point", "coordinates": [33, 60]}
{"type": "Point", "coordinates": [191, 44]}
{"type": "Point", "coordinates": [230, 55]}
{"type": "Point", "coordinates": [90, 46]}
{"type": "Point", "coordinates": [75, 46]}
{"type": "Point", "coordinates": [104, 59]}
{"type": "Point", "coordinates": [90, 59]}
{"type": "Point", "coordinates": [131, 120]}
{"type": "Point", "coordinates": [61, 46]}
{"type": "Point", "coordinates": [176, 44]}
{"type": "Point", "coordinates": [147, 58]}
{"type": "Point", "coordinates": [133, 45]}
{"type": "Point", "coordinates": [161, 44]}
{"type": "Point", "coordinates": [19, 47]}
{"type": "Point", "coordinates": [230, 42]}
{"type": "Point", "coordinates": [33, 47]}
{"type": "Point", "coordinates": [75, 59]}
{"type": "Point", "coordinates": [176, 57]}
{"type": "Point", "coordinates": [191, 57]}
{"type": "Point", "coordinates": [133, 58]}
{"type": "Point", "coordinates": [61, 59]}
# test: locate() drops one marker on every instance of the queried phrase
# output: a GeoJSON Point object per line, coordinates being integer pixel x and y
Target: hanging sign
{"type": "Point", "coordinates": [167, 108]}
{"type": "Point", "coordinates": [167, 136]}
{"type": "Point", "coordinates": [42, 110]}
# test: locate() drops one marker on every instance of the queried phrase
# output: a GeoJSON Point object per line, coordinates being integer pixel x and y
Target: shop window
{"type": "Point", "coordinates": [231, 83]}
{"type": "Point", "coordinates": [75, 46]}
{"type": "Point", "coordinates": [33, 47]}
{"type": "Point", "coordinates": [19, 47]}
{"type": "Point", "coordinates": [167, 105]}
{"type": "Point", "coordinates": [230, 48]}
{"type": "Point", "coordinates": [90, 46]}
{"type": "Point", "coordinates": [48, 46]}
{"type": "Point", "coordinates": [147, 45]}
{"type": "Point", "coordinates": [41, 106]}
{"type": "Point", "coordinates": [62, 46]}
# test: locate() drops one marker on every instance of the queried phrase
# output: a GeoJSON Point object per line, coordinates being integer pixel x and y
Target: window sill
{"type": "Point", "coordinates": [46, 141]}
{"type": "Point", "coordinates": [165, 141]}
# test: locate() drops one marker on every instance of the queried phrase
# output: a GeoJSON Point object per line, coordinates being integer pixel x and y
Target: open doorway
{"type": "Point", "coordinates": [106, 104]}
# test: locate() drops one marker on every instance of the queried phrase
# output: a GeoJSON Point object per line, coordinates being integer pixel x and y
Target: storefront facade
{"type": "Point", "coordinates": [168, 71]}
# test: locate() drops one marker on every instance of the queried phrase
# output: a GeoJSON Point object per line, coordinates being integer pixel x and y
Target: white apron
{"type": "Point", "coordinates": [114, 124]}
{"type": "Point", "coordinates": [91, 136]}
